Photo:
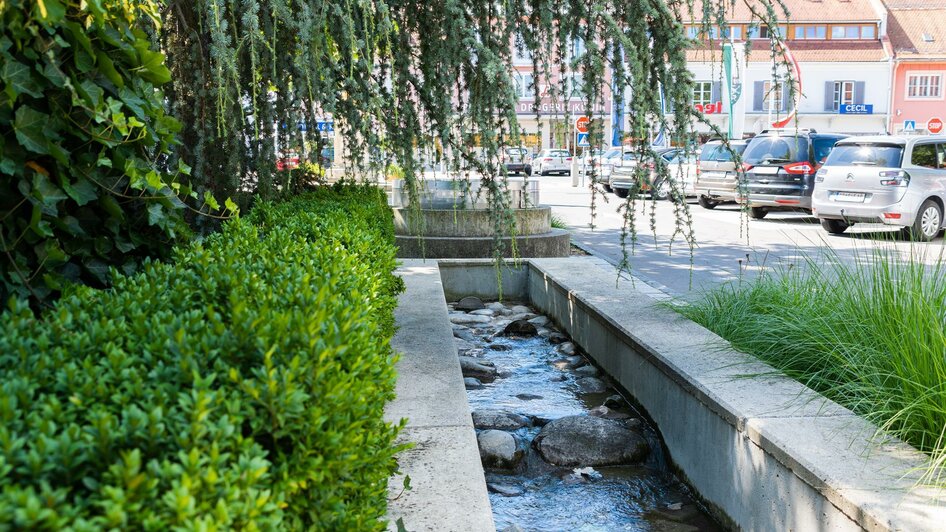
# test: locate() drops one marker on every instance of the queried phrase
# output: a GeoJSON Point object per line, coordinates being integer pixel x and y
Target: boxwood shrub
{"type": "Point", "coordinates": [239, 386]}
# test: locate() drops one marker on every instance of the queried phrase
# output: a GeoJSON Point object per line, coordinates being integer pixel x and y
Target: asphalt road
{"type": "Point", "coordinates": [729, 247]}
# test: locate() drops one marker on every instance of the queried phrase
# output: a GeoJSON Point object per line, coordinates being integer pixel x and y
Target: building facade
{"type": "Point", "coordinates": [917, 33]}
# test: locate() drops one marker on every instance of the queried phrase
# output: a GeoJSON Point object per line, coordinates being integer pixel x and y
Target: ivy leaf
{"type": "Point", "coordinates": [29, 129]}
{"type": "Point", "coordinates": [210, 201]}
{"type": "Point", "coordinates": [232, 207]}
{"type": "Point", "coordinates": [153, 63]}
{"type": "Point", "coordinates": [45, 191]}
{"type": "Point", "coordinates": [82, 191]}
{"type": "Point", "coordinates": [51, 10]}
{"type": "Point", "coordinates": [17, 77]}
{"type": "Point", "coordinates": [107, 67]}
{"type": "Point", "coordinates": [156, 214]}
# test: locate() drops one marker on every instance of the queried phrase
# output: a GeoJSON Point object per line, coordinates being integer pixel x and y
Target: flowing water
{"type": "Point", "coordinates": [537, 380]}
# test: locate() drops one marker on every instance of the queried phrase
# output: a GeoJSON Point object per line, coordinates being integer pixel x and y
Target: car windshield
{"type": "Point", "coordinates": [882, 155]}
{"type": "Point", "coordinates": [630, 156]}
{"type": "Point", "coordinates": [515, 151]}
{"type": "Point", "coordinates": [612, 153]}
{"type": "Point", "coordinates": [776, 150]}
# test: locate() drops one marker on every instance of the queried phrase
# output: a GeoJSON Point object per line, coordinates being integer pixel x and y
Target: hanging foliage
{"type": "Point", "coordinates": [84, 137]}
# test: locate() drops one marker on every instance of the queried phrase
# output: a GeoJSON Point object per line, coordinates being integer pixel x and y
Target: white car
{"type": "Point", "coordinates": [681, 167]}
{"type": "Point", "coordinates": [553, 160]}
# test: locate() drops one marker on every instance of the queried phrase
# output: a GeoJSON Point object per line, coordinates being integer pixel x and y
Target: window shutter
{"type": "Point", "coordinates": [859, 87]}
{"type": "Point", "coordinates": [829, 96]}
{"type": "Point", "coordinates": [758, 96]}
{"type": "Point", "coordinates": [715, 91]}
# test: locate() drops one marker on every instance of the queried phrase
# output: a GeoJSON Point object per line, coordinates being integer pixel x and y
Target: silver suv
{"type": "Point", "coordinates": [716, 177]}
{"type": "Point", "coordinates": [895, 180]}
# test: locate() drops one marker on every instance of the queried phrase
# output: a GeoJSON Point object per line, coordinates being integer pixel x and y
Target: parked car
{"type": "Point", "coordinates": [780, 169]}
{"type": "Point", "coordinates": [288, 161]}
{"type": "Point", "coordinates": [609, 158]}
{"type": "Point", "coordinates": [552, 160]}
{"type": "Point", "coordinates": [895, 180]}
{"type": "Point", "coordinates": [624, 175]}
{"type": "Point", "coordinates": [591, 159]}
{"type": "Point", "coordinates": [516, 161]}
{"type": "Point", "coordinates": [717, 180]}
{"type": "Point", "coordinates": [681, 166]}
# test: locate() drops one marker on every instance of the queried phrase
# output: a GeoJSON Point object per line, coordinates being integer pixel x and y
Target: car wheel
{"type": "Point", "coordinates": [929, 220]}
{"type": "Point", "coordinates": [543, 172]}
{"type": "Point", "coordinates": [757, 213]}
{"type": "Point", "coordinates": [607, 188]}
{"type": "Point", "coordinates": [835, 227]}
{"type": "Point", "coordinates": [622, 192]}
{"type": "Point", "coordinates": [528, 171]}
{"type": "Point", "coordinates": [661, 191]}
{"type": "Point", "coordinates": [707, 203]}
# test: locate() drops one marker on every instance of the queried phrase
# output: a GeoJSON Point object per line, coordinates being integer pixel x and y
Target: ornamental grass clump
{"type": "Point", "coordinates": [868, 332]}
{"type": "Point", "coordinates": [239, 386]}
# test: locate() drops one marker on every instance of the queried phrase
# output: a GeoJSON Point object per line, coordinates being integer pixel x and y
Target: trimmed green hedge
{"type": "Point", "coordinates": [240, 386]}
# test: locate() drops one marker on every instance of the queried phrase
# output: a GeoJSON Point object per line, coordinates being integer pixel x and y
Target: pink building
{"type": "Point", "coordinates": [917, 33]}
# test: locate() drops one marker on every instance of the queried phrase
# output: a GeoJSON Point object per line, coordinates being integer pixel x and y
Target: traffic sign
{"type": "Point", "coordinates": [581, 124]}
{"type": "Point", "coordinates": [909, 126]}
{"type": "Point", "coordinates": [935, 125]}
{"type": "Point", "coordinates": [325, 126]}
{"type": "Point", "coordinates": [581, 140]}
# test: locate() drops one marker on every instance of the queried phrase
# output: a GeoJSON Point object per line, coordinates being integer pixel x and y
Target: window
{"type": "Point", "coordinates": [578, 47]}
{"type": "Point", "coordinates": [524, 86]}
{"type": "Point", "coordinates": [574, 86]}
{"type": "Point", "coordinates": [843, 94]}
{"type": "Point", "coordinates": [851, 32]}
{"type": "Point", "coordinates": [924, 86]}
{"type": "Point", "coordinates": [867, 32]}
{"type": "Point", "coordinates": [924, 155]}
{"type": "Point", "coordinates": [811, 32]}
{"type": "Point", "coordinates": [703, 93]}
{"type": "Point", "coordinates": [774, 94]}
{"type": "Point", "coordinates": [520, 53]}
{"type": "Point", "coordinates": [756, 32]}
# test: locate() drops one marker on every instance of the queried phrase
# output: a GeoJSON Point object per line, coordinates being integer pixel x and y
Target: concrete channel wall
{"type": "Point", "coordinates": [763, 451]}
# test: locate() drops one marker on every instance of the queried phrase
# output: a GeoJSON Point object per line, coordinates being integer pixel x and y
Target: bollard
{"type": "Point", "coordinates": [574, 172]}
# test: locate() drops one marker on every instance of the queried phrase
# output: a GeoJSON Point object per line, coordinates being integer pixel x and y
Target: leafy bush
{"type": "Point", "coordinates": [240, 386]}
{"type": "Point", "coordinates": [869, 333]}
{"type": "Point", "coordinates": [81, 130]}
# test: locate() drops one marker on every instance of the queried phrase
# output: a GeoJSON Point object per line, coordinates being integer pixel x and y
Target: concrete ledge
{"type": "Point", "coordinates": [469, 222]}
{"type": "Point", "coordinates": [764, 451]}
{"type": "Point", "coordinates": [448, 485]}
{"type": "Point", "coordinates": [555, 243]}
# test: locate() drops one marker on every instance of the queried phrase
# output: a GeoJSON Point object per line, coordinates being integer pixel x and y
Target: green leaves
{"type": "Point", "coordinates": [78, 108]}
{"type": "Point", "coordinates": [29, 125]}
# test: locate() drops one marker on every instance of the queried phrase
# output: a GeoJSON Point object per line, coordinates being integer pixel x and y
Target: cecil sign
{"type": "Point", "coordinates": [857, 109]}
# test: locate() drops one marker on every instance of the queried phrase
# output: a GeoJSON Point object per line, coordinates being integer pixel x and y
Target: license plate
{"type": "Point", "coordinates": [765, 169]}
{"type": "Point", "coordinates": [850, 197]}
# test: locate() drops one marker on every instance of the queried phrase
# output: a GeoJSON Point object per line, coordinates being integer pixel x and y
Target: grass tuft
{"type": "Point", "coordinates": [869, 333]}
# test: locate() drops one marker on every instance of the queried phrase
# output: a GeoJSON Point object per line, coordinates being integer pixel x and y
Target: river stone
{"type": "Point", "coordinates": [614, 401]}
{"type": "Point", "coordinates": [498, 449]}
{"type": "Point", "coordinates": [539, 321]}
{"type": "Point", "coordinates": [483, 312]}
{"type": "Point", "coordinates": [557, 378]}
{"type": "Point", "coordinates": [557, 338]}
{"type": "Point", "coordinates": [496, 307]}
{"type": "Point", "coordinates": [470, 303]}
{"type": "Point", "coordinates": [514, 528]}
{"type": "Point", "coordinates": [575, 360]}
{"type": "Point", "coordinates": [587, 370]}
{"type": "Point", "coordinates": [521, 316]}
{"type": "Point", "coordinates": [519, 328]}
{"type": "Point", "coordinates": [542, 332]}
{"type": "Point", "coordinates": [499, 347]}
{"type": "Point", "coordinates": [520, 309]}
{"type": "Point", "coordinates": [590, 385]}
{"type": "Point", "coordinates": [497, 419]}
{"type": "Point", "coordinates": [568, 348]}
{"type": "Point", "coordinates": [606, 413]}
{"type": "Point", "coordinates": [472, 383]}
{"type": "Point", "coordinates": [462, 345]}
{"type": "Point", "coordinates": [464, 334]}
{"type": "Point", "coordinates": [589, 441]}
{"type": "Point", "coordinates": [528, 396]}
{"type": "Point", "coordinates": [477, 368]}
{"type": "Point", "coordinates": [506, 490]}
{"type": "Point", "coordinates": [469, 319]}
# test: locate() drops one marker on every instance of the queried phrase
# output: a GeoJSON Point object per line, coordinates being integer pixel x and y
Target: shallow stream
{"type": "Point", "coordinates": [545, 381]}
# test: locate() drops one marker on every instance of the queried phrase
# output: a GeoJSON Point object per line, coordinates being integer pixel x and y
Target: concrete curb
{"type": "Point", "coordinates": [764, 451]}
{"type": "Point", "coordinates": [448, 485]}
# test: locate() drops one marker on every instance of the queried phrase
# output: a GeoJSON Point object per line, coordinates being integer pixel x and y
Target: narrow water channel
{"type": "Point", "coordinates": [562, 449]}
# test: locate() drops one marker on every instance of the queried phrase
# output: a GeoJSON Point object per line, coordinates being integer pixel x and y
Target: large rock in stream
{"type": "Point", "coordinates": [477, 368]}
{"type": "Point", "coordinates": [498, 449]}
{"type": "Point", "coordinates": [589, 441]}
{"type": "Point", "coordinates": [498, 419]}
{"type": "Point", "coordinates": [520, 328]}
{"type": "Point", "coordinates": [470, 303]}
